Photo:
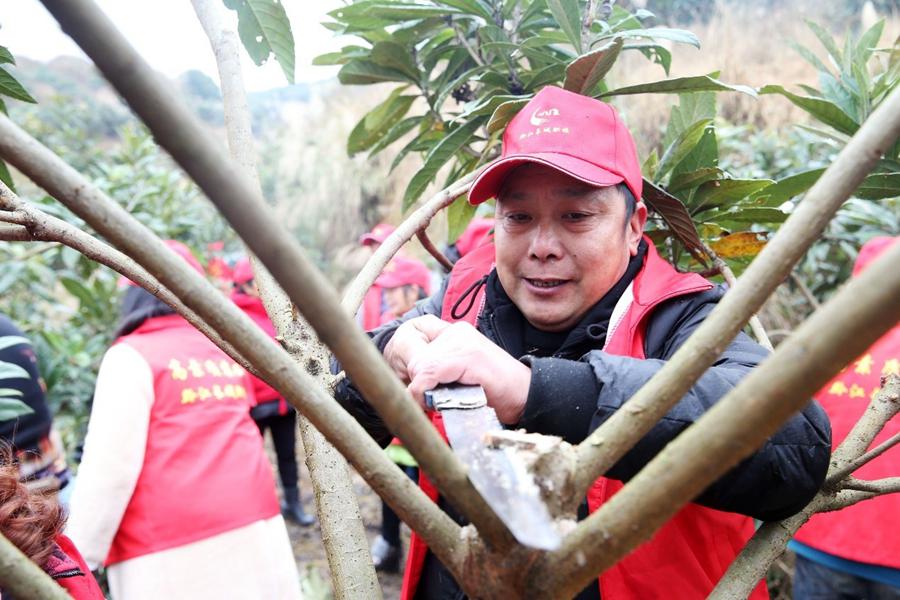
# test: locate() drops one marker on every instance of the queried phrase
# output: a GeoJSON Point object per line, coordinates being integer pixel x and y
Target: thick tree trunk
{"type": "Point", "coordinates": [24, 579]}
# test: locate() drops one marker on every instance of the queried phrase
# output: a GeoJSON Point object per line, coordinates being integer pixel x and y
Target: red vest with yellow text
{"type": "Point", "coordinates": [687, 556]}
{"type": "Point", "coordinates": [205, 471]}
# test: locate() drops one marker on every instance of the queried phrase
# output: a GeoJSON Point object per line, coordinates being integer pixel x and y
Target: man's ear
{"type": "Point", "coordinates": [635, 229]}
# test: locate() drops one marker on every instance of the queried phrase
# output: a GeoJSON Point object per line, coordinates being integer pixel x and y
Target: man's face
{"type": "Point", "coordinates": [561, 244]}
{"type": "Point", "coordinates": [401, 299]}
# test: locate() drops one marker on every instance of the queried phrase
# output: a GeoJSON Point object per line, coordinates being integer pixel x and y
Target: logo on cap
{"type": "Point", "coordinates": [539, 117]}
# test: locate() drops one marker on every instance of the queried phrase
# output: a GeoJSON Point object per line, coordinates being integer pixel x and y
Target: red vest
{"type": "Point", "coordinates": [867, 532]}
{"type": "Point", "coordinates": [371, 308]}
{"type": "Point", "coordinates": [689, 554]}
{"type": "Point", "coordinates": [205, 471]}
{"type": "Point", "coordinates": [253, 307]}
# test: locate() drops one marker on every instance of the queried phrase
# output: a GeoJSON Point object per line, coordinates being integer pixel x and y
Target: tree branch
{"type": "Point", "coordinates": [853, 465]}
{"type": "Point", "coordinates": [433, 251]}
{"type": "Point", "coordinates": [273, 363]}
{"type": "Point", "coordinates": [41, 227]}
{"type": "Point", "coordinates": [888, 485]}
{"type": "Point", "coordinates": [15, 233]}
{"type": "Point", "coordinates": [771, 539]}
{"type": "Point", "coordinates": [732, 429]}
{"type": "Point", "coordinates": [755, 324]}
{"type": "Point", "coordinates": [419, 219]}
{"type": "Point", "coordinates": [804, 289]}
{"type": "Point", "coordinates": [23, 579]}
{"type": "Point", "coordinates": [343, 534]}
{"type": "Point", "coordinates": [607, 444]}
{"type": "Point", "coordinates": [179, 132]}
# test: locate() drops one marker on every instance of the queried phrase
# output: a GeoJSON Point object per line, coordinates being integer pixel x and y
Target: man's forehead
{"type": "Point", "coordinates": [522, 185]}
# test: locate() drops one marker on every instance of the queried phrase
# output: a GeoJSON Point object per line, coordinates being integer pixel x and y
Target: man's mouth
{"type": "Point", "coordinates": [545, 283]}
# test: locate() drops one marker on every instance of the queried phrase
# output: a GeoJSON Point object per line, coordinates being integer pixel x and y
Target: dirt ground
{"type": "Point", "coordinates": [307, 541]}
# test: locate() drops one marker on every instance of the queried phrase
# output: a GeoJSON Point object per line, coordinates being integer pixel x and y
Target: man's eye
{"type": "Point", "coordinates": [575, 216]}
{"type": "Point", "coordinates": [518, 218]}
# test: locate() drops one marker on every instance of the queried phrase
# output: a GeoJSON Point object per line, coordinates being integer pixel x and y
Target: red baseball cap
{"type": "Point", "coordinates": [178, 248]}
{"type": "Point", "coordinates": [242, 272]}
{"type": "Point", "coordinates": [405, 271]}
{"type": "Point", "coordinates": [577, 135]}
{"type": "Point", "coordinates": [474, 236]}
{"type": "Point", "coordinates": [378, 234]}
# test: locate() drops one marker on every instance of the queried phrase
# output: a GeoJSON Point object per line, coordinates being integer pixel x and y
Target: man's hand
{"type": "Point", "coordinates": [458, 353]}
{"type": "Point", "coordinates": [410, 340]}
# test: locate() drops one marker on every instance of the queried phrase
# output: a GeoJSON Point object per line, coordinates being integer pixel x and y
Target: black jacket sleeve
{"type": "Point", "coordinates": [775, 482]}
{"type": "Point", "coordinates": [351, 399]}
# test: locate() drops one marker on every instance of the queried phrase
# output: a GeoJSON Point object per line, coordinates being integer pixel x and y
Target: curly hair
{"type": "Point", "coordinates": [31, 521]}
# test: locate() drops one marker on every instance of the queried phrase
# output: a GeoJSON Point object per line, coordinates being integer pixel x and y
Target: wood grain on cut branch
{"type": "Point", "coordinates": [343, 534]}
{"type": "Point", "coordinates": [20, 577]}
{"type": "Point", "coordinates": [770, 540]}
{"type": "Point", "coordinates": [608, 443]}
{"type": "Point", "coordinates": [731, 430]}
{"type": "Point", "coordinates": [110, 220]}
{"type": "Point", "coordinates": [419, 219]}
{"type": "Point", "coordinates": [179, 132]}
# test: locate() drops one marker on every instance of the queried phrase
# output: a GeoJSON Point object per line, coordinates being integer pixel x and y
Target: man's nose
{"type": "Point", "coordinates": [545, 244]}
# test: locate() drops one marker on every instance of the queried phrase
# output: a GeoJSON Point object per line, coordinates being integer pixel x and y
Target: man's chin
{"type": "Point", "coordinates": [551, 322]}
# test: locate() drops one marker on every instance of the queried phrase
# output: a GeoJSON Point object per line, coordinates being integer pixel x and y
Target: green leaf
{"type": "Point", "coordinates": [650, 164]}
{"type": "Point", "coordinates": [692, 179]}
{"type": "Point", "coordinates": [681, 147]}
{"type": "Point", "coordinates": [10, 393]}
{"type": "Point", "coordinates": [394, 56]}
{"type": "Point", "coordinates": [824, 110]}
{"type": "Point", "coordinates": [504, 113]}
{"type": "Point", "coordinates": [692, 107]}
{"type": "Point", "coordinates": [551, 74]}
{"type": "Point", "coordinates": [396, 132]}
{"type": "Point", "coordinates": [826, 40]}
{"type": "Point", "coordinates": [6, 56]}
{"type": "Point", "coordinates": [473, 7]}
{"type": "Point", "coordinates": [568, 15]}
{"type": "Point", "coordinates": [705, 154]}
{"type": "Point", "coordinates": [701, 83]}
{"type": "Point", "coordinates": [752, 215]}
{"type": "Point", "coordinates": [265, 29]}
{"type": "Point", "coordinates": [80, 291]}
{"type": "Point", "coordinates": [378, 122]}
{"type": "Point", "coordinates": [721, 191]}
{"type": "Point", "coordinates": [585, 72]}
{"type": "Point", "coordinates": [13, 340]}
{"type": "Point", "coordinates": [391, 12]}
{"type": "Point", "coordinates": [346, 54]}
{"type": "Point", "coordinates": [459, 214]}
{"type": "Point", "coordinates": [679, 36]}
{"type": "Point", "coordinates": [12, 88]}
{"type": "Point", "coordinates": [449, 87]}
{"type": "Point", "coordinates": [878, 186]}
{"type": "Point", "coordinates": [439, 155]}
{"type": "Point", "coordinates": [6, 177]}
{"type": "Point", "coordinates": [364, 72]}
{"type": "Point", "coordinates": [10, 370]}
{"type": "Point", "coordinates": [425, 139]}
{"type": "Point", "coordinates": [11, 409]}
{"type": "Point", "coordinates": [809, 56]}
{"type": "Point", "coordinates": [487, 106]}
{"type": "Point", "coordinates": [3, 107]}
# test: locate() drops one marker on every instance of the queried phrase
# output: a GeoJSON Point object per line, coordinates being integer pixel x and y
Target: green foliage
{"type": "Point", "coordinates": [473, 65]}
{"type": "Point", "coordinates": [10, 406]}
{"type": "Point", "coordinates": [265, 31]}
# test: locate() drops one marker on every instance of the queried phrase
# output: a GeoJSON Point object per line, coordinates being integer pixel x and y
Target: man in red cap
{"type": "Point", "coordinates": [563, 318]}
{"type": "Point", "coordinates": [271, 411]}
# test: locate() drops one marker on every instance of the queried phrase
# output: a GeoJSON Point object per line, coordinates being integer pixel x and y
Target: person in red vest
{"type": "Point", "coordinates": [373, 307]}
{"type": "Point", "coordinates": [855, 552]}
{"type": "Point", "coordinates": [562, 319]}
{"type": "Point", "coordinates": [33, 521]}
{"type": "Point", "coordinates": [404, 282]}
{"type": "Point", "coordinates": [175, 495]}
{"type": "Point", "coordinates": [271, 411]}
{"type": "Point", "coordinates": [476, 234]}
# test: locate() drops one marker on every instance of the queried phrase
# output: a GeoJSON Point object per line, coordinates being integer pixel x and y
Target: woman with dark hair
{"type": "Point", "coordinates": [33, 522]}
{"type": "Point", "coordinates": [175, 494]}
